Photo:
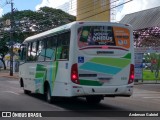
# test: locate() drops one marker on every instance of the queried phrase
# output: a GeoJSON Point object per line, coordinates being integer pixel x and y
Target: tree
{"type": "Point", "coordinates": [154, 60]}
{"type": "Point", "coordinates": [30, 22]}
{"type": "Point", "coordinates": [27, 23]}
{"type": "Point", "coordinates": [5, 50]}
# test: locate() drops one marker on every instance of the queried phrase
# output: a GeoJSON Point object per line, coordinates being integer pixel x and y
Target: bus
{"type": "Point", "coordinates": [80, 59]}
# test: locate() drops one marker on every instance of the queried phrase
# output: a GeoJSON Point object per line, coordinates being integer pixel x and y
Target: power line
{"type": "Point", "coordinates": [92, 10]}
{"type": "Point", "coordinates": [4, 4]}
{"type": "Point", "coordinates": [88, 5]}
{"type": "Point", "coordinates": [41, 21]}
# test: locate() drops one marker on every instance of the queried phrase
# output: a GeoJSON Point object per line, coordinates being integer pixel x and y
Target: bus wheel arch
{"type": "Point", "coordinates": [22, 85]}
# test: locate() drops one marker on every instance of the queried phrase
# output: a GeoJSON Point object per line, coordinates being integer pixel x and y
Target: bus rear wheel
{"type": "Point", "coordinates": [94, 99]}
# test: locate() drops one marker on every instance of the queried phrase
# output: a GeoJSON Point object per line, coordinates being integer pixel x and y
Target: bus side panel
{"type": "Point", "coordinates": [27, 73]}
{"type": "Point", "coordinates": [61, 85]}
{"type": "Point", "coordinates": [35, 74]}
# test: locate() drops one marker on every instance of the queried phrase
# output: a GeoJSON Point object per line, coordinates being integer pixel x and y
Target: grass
{"type": "Point", "coordinates": [148, 75]}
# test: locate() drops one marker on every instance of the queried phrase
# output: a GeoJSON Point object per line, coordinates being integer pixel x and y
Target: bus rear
{"type": "Point", "coordinates": [103, 60]}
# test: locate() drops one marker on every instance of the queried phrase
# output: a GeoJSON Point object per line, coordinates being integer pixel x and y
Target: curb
{"type": "Point", "coordinates": [13, 77]}
{"type": "Point", "coordinates": [7, 75]}
{"type": "Point", "coordinates": [140, 83]}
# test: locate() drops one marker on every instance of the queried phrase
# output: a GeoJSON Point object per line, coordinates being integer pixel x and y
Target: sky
{"type": "Point", "coordinates": [70, 5]}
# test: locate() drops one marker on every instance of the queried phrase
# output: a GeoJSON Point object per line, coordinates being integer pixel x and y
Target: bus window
{"type": "Point", "coordinates": [41, 51]}
{"type": "Point", "coordinates": [29, 51]}
{"type": "Point", "coordinates": [58, 52]}
{"type": "Point", "coordinates": [65, 52]}
{"type": "Point", "coordinates": [33, 51]}
{"type": "Point", "coordinates": [22, 53]}
{"type": "Point", "coordinates": [50, 48]}
{"type": "Point", "coordinates": [63, 46]}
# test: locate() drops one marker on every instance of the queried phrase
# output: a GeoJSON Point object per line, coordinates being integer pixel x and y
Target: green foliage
{"type": "Point", "coordinates": [154, 59]}
{"type": "Point", "coordinates": [4, 49]}
{"type": "Point", "coordinates": [25, 21]}
{"type": "Point", "coordinates": [148, 75]}
{"type": "Point", "coordinates": [151, 56]}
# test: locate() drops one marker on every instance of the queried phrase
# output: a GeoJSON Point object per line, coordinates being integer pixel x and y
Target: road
{"type": "Point", "coordinates": [146, 97]}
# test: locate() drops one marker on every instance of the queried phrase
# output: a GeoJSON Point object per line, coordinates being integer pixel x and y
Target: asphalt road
{"type": "Point", "coordinates": [145, 98]}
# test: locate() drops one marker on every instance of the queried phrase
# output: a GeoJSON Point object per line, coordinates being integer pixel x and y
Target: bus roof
{"type": "Point", "coordinates": [49, 32]}
{"type": "Point", "coordinates": [66, 27]}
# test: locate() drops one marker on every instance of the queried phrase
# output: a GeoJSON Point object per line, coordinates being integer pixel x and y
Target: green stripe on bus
{"type": "Point", "coordinates": [54, 72]}
{"type": "Point", "coordinates": [116, 62]}
{"type": "Point", "coordinates": [40, 75]}
{"type": "Point", "coordinates": [56, 68]}
{"type": "Point", "coordinates": [90, 83]}
{"type": "Point", "coordinates": [128, 56]}
{"type": "Point", "coordinates": [40, 67]}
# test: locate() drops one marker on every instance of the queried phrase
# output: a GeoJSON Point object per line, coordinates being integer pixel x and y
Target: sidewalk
{"type": "Point", "coordinates": [147, 82]}
{"type": "Point", "coordinates": [6, 73]}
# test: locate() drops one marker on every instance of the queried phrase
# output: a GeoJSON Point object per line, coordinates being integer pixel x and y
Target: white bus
{"type": "Point", "coordinates": [81, 59]}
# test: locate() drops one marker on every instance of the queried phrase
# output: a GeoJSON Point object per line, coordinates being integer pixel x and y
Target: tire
{"type": "Point", "coordinates": [27, 92]}
{"type": "Point", "coordinates": [94, 99]}
{"type": "Point", "coordinates": [48, 96]}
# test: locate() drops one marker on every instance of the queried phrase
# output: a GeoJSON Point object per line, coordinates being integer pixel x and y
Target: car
{"type": "Point", "coordinates": [146, 65]}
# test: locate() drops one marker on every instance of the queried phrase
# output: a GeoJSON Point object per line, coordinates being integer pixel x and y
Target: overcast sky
{"type": "Point", "coordinates": [70, 5]}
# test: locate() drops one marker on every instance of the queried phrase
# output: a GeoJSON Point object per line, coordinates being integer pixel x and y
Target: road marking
{"type": "Point", "coordinates": [151, 97]}
{"type": "Point", "coordinates": [11, 92]}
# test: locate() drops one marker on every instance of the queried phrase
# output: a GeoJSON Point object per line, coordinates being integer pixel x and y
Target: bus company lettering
{"type": "Point", "coordinates": [15, 114]}
{"type": "Point", "coordinates": [99, 37]}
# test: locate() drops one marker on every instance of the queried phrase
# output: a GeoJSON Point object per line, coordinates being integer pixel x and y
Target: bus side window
{"type": "Point", "coordinates": [41, 51]}
{"type": "Point", "coordinates": [29, 51]}
{"type": "Point", "coordinates": [64, 53]}
{"type": "Point", "coordinates": [50, 48]}
{"type": "Point", "coordinates": [33, 56]}
{"type": "Point", "coordinates": [58, 52]}
{"type": "Point", "coordinates": [63, 46]}
{"type": "Point", "coordinates": [22, 53]}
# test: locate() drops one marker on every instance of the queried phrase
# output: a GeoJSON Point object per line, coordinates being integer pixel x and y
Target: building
{"type": "Point", "coordinates": [93, 10]}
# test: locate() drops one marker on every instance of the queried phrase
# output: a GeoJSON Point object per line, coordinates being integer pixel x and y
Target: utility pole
{"type": "Point", "coordinates": [11, 40]}
{"type": "Point", "coordinates": [11, 37]}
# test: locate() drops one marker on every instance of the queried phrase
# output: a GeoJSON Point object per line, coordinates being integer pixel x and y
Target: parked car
{"type": "Point", "coordinates": [146, 65]}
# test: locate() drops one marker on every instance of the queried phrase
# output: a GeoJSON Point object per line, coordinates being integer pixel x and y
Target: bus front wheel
{"type": "Point", "coordinates": [48, 96]}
